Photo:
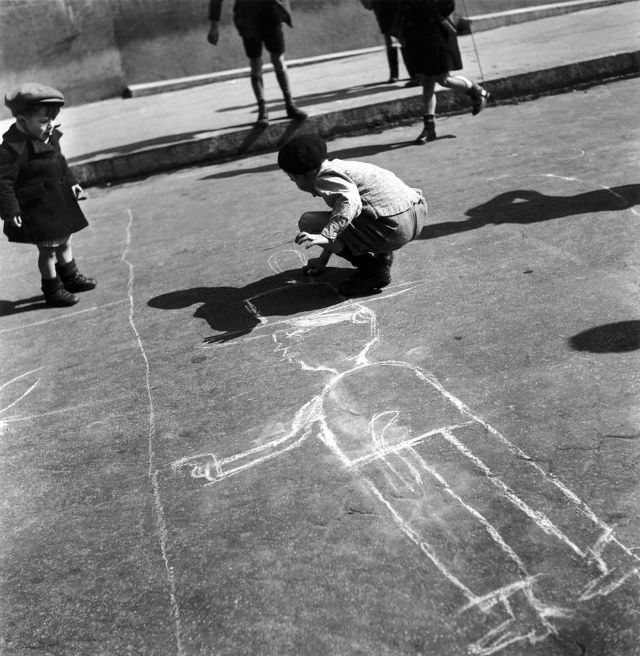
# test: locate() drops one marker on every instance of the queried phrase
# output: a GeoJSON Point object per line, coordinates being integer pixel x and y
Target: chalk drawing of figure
{"type": "Point", "coordinates": [453, 484]}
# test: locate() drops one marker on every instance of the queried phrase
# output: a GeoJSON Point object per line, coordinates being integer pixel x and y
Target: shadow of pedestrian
{"type": "Point", "coordinates": [345, 153]}
{"type": "Point", "coordinates": [529, 206]}
{"type": "Point", "coordinates": [608, 338]}
{"type": "Point", "coordinates": [232, 310]}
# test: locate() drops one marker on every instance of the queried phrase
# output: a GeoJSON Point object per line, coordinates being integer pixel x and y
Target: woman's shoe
{"type": "Point", "coordinates": [428, 133]}
{"type": "Point", "coordinates": [479, 98]}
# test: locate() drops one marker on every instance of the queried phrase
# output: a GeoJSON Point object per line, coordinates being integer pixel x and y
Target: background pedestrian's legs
{"type": "Point", "coordinates": [392, 57]}
{"type": "Point", "coordinates": [280, 68]}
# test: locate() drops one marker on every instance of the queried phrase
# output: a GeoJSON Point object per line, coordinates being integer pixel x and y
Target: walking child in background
{"type": "Point", "coordinates": [38, 193]}
{"type": "Point", "coordinates": [431, 47]}
{"type": "Point", "coordinates": [373, 212]}
{"type": "Point", "coordinates": [259, 23]}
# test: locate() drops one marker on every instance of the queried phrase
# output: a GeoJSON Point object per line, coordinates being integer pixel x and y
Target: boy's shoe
{"type": "Point", "coordinates": [55, 294]}
{"type": "Point", "coordinates": [479, 98]}
{"type": "Point", "coordinates": [373, 274]}
{"type": "Point", "coordinates": [295, 113]}
{"type": "Point", "coordinates": [72, 279]}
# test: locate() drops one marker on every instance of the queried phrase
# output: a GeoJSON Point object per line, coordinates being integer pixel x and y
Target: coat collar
{"type": "Point", "coordinates": [18, 141]}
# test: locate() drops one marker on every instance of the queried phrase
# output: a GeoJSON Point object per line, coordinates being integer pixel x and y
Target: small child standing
{"type": "Point", "coordinates": [373, 212]}
{"type": "Point", "coordinates": [38, 193]}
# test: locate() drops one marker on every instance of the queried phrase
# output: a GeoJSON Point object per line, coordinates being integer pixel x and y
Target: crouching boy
{"type": "Point", "coordinates": [373, 212]}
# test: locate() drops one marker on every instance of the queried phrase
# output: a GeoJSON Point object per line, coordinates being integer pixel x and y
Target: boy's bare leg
{"type": "Point", "coordinates": [282, 75]}
{"type": "Point", "coordinates": [257, 84]}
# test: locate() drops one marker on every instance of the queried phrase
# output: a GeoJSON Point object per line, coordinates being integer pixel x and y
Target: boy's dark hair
{"type": "Point", "coordinates": [303, 153]}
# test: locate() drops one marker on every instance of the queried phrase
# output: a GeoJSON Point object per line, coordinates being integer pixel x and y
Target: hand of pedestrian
{"type": "Point", "coordinates": [214, 34]}
{"type": "Point", "coordinates": [309, 239]}
{"type": "Point", "coordinates": [15, 221]}
{"type": "Point", "coordinates": [78, 192]}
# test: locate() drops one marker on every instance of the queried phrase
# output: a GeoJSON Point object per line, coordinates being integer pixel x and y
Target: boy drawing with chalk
{"type": "Point", "coordinates": [373, 212]}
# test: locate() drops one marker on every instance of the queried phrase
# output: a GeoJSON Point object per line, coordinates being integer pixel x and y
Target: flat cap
{"type": "Point", "coordinates": [305, 152]}
{"type": "Point", "coordinates": [32, 93]}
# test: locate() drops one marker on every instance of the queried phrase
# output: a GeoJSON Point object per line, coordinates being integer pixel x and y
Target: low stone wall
{"type": "Point", "coordinates": [92, 49]}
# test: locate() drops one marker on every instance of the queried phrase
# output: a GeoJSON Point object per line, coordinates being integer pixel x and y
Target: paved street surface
{"type": "Point", "coordinates": [211, 455]}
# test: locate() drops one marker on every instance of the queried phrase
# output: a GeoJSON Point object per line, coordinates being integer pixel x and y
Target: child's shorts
{"type": "Point", "coordinates": [368, 233]}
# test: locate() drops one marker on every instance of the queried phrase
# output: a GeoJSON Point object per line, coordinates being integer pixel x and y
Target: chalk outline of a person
{"type": "Point", "coordinates": [526, 618]}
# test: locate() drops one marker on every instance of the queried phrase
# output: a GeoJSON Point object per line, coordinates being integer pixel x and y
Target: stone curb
{"type": "Point", "coordinates": [468, 25]}
{"type": "Point", "coordinates": [376, 116]}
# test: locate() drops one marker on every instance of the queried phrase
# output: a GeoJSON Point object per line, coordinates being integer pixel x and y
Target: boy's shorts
{"type": "Point", "coordinates": [271, 35]}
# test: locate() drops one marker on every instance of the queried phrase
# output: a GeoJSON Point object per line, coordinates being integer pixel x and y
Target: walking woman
{"type": "Point", "coordinates": [431, 47]}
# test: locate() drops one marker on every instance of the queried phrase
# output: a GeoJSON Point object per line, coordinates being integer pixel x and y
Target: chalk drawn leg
{"type": "Point", "coordinates": [452, 534]}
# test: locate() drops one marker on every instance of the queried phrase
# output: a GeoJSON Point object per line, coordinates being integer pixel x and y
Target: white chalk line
{"type": "Point", "coordinates": [20, 397]}
{"type": "Point", "coordinates": [67, 315]}
{"type": "Point", "coordinates": [424, 546]}
{"type": "Point", "coordinates": [73, 408]}
{"type": "Point", "coordinates": [16, 378]}
{"type": "Point", "coordinates": [153, 474]}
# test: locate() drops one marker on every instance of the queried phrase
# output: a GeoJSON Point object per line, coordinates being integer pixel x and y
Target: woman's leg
{"type": "Point", "coordinates": [429, 104]}
{"type": "Point", "coordinates": [478, 95]}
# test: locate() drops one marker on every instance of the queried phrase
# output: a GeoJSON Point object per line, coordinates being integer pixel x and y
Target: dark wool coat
{"type": "Point", "coordinates": [247, 13]}
{"type": "Point", "coordinates": [429, 48]}
{"type": "Point", "coordinates": [35, 183]}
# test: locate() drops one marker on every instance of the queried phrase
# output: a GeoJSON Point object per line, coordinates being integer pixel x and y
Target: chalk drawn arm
{"type": "Point", "coordinates": [211, 469]}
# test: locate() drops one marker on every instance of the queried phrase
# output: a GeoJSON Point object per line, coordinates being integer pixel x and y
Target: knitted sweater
{"type": "Point", "coordinates": [350, 187]}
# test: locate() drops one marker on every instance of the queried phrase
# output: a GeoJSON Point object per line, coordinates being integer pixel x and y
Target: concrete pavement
{"type": "Point", "coordinates": [121, 139]}
{"type": "Point", "coordinates": [115, 412]}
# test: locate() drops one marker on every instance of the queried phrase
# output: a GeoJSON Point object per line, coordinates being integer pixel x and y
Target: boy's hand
{"type": "Point", "coordinates": [314, 266]}
{"type": "Point", "coordinates": [15, 221]}
{"type": "Point", "coordinates": [309, 239]}
{"type": "Point", "coordinates": [214, 34]}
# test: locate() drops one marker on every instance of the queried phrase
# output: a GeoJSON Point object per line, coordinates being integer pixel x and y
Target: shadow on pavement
{"type": "Point", "coordinates": [529, 206]}
{"type": "Point", "coordinates": [322, 97]}
{"type": "Point", "coordinates": [23, 305]}
{"type": "Point", "coordinates": [236, 311]}
{"type": "Point", "coordinates": [254, 131]}
{"type": "Point", "coordinates": [345, 153]}
{"type": "Point", "coordinates": [608, 338]}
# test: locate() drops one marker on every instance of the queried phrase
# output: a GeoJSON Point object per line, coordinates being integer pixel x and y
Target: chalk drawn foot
{"type": "Point", "coordinates": [509, 633]}
{"type": "Point", "coordinates": [616, 564]}
{"type": "Point", "coordinates": [529, 620]}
